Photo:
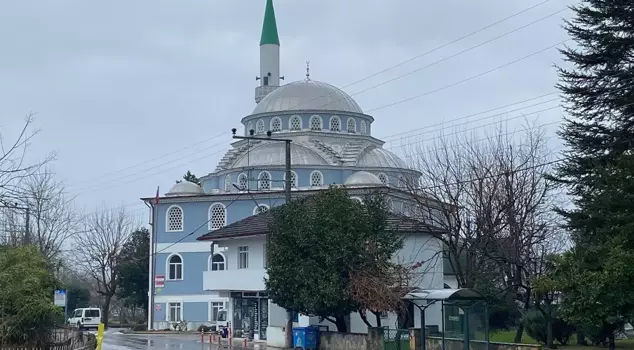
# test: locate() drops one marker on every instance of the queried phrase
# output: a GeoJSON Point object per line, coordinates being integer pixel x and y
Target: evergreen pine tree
{"type": "Point", "coordinates": [598, 92]}
{"type": "Point", "coordinates": [189, 177]}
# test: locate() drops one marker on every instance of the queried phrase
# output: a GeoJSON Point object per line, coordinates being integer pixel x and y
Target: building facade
{"type": "Point", "coordinates": [332, 143]}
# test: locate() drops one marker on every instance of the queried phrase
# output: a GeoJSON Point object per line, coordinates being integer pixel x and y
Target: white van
{"type": "Point", "coordinates": [85, 318]}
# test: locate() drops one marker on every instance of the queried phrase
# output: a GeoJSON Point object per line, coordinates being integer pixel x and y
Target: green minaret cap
{"type": "Point", "coordinates": [269, 27]}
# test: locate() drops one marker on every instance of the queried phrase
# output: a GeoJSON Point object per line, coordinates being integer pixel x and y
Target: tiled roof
{"type": "Point", "coordinates": [259, 225]}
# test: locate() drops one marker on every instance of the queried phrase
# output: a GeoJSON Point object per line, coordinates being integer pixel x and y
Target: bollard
{"type": "Point", "coordinates": [230, 336]}
{"type": "Point", "coordinates": [219, 340]}
{"type": "Point", "coordinates": [202, 337]}
{"type": "Point", "coordinates": [100, 330]}
{"type": "Point", "coordinates": [245, 342]}
{"type": "Point", "coordinates": [211, 337]}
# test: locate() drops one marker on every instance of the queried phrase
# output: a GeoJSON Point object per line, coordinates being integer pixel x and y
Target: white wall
{"type": "Point", "coordinates": [256, 252]}
{"type": "Point", "coordinates": [426, 248]}
{"type": "Point", "coordinates": [451, 281]}
{"type": "Point", "coordinates": [419, 247]}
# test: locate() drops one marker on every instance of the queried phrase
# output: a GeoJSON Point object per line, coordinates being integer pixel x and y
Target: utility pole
{"type": "Point", "coordinates": [288, 332]}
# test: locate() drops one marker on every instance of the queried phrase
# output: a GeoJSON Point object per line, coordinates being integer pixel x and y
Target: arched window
{"type": "Point", "coordinates": [389, 203]}
{"type": "Point", "coordinates": [260, 126]}
{"type": "Point", "coordinates": [316, 179]}
{"type": "Point", "coordinates": [264, 180]}
{"type": "Point", "coordinates": [335, 123]}
{"type": "Point", "coordinates": [276, 124]}
{"type": "Point", "coordinates": [401, 182]}
{"type": "Point", "coordinates": [174, 219]}
{"type": "Point", "coordinates": [217, 263]}
{"type": "Point", "coordinates": [352, 125]}
{"type": "Point", "coordinates": [315, 123]}
{"type": "Point", "coordinates": [175, 267]}
{"type": "Point", "coordinates": [357, 199]}
{"type": "Point", "coordinates": [228, 183]}
{"type": "Point", "coordinates": [295, 123]}
{"type": "Point", "coordinates": [249, 128]}
{"type": "Point", "coordinates": [363, 127]}
{"type": "Point", "coordinates": [217, 216]}
{"type": "Point", "coordinates": [243, 182]}
{"type": "Point", "coordinates": [293, 179]}
{"type": "Point", "coordinates": [261, 208]}
{"type": "Point", "coordinates": [383, 178]}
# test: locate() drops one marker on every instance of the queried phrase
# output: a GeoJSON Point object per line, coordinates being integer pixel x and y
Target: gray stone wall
{"type": "Point", "coordinates": [373, 340]}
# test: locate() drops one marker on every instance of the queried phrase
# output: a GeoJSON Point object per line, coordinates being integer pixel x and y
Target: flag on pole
{"type": "Point", "coordinates": [156, 198]}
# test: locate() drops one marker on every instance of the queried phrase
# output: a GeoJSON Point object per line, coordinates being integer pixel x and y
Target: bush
{"type": "Point", "coordinates": [139, 327]}
{"type": "Point", "coordinates": [535, 324]}
{"type": "Point", "coordinates": [27, 288]}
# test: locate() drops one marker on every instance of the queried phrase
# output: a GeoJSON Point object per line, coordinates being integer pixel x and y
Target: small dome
{"type": "Point", "coordinates": [274, 153]}
{"type": "Point", "coordinates": [185, 188]}
{"type": "Point", "coordinates": [363, 178]}
{"type": "Point", "coordinates": [307, 95]}
{"type": "Point", "coordinates": [380, 158]}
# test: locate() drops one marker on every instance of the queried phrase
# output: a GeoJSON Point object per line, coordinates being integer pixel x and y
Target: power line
{"type": "Point", "coordinates": [155, 158]}
{"type": "Point", "coordinates": [157, 166]}
{"type": "Point", "coordinates": [504, 106]}
{"type": "Point", "coordinates": [434, 49]}
{"type": "Point", "coordinates": [449, 57]}
{"type": "Point", "coordinates": [468, 79]}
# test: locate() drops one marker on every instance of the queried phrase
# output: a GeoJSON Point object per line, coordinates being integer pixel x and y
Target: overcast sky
{"type": "Point", "coordinates": [119, 86]}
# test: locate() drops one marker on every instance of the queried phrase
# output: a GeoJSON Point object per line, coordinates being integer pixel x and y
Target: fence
{"type": "Point", "coordinates": [61, 339]}
{"type": "Point", "coordinates": [395, 339]}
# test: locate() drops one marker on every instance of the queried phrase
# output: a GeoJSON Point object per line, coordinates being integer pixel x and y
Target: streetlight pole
{"type": "Point", "coordinates": [288, 332]}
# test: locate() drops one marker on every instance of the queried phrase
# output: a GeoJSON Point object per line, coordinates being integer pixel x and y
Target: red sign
{"type": "Point", "coordinates": [159, 281]}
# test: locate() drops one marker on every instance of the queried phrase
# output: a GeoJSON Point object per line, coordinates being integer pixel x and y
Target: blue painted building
{"type": "Point", "coordinates": [332, 144]}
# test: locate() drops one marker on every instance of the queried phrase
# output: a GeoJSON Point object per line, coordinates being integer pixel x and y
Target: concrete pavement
{"type": "Point", "coordinates": [115, 340]}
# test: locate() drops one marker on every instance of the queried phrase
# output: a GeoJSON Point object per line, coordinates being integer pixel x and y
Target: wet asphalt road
{"type": "Point", "coordinates": [115, 340]}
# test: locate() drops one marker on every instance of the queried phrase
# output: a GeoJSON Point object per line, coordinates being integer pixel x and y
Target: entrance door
{"type": "Point", "coordinates": [264, 317]}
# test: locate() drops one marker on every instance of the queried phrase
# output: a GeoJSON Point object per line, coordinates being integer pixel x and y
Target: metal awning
{"type": "Point", "coordinates": [443, 294]}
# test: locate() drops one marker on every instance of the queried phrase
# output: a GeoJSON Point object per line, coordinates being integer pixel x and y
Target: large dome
{"type": "Point", "coordinates": [185, 188]}
{"type": "Point", "coordinates": [380, 158]}
{"type": "Point", "coordinates": [307, 95]}
{"type": "Point", "coordinates": [274, 153]}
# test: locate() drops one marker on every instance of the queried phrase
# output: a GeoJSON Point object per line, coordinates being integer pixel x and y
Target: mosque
{"type": "Point", "coordinates": [216, 275]}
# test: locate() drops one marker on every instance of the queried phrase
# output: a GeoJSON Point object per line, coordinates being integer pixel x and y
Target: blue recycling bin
{"type": "Point", "coordinates": [305, 337]}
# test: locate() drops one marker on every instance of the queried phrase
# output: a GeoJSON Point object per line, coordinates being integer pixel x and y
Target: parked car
{"type": "Point", "coordinates": [85, 318]}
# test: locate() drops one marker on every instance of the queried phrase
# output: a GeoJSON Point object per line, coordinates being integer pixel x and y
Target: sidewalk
{"type": "Point", "coordinates": [236, 343]}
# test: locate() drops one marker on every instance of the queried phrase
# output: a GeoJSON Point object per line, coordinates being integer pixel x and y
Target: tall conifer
{"type": "Point", "coordinates": [598, 91]}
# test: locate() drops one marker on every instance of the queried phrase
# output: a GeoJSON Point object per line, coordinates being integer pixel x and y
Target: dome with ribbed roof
{"type": "Point", "coordinates": [185, 188]}
{"type": "Point", "coordinates": [363, 178]}
{"type": "Point", "coordinates": [307, 95]}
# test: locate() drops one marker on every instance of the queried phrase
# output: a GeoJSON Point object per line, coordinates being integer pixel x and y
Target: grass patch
{"type": "Point", "coordinates": [509, 337]}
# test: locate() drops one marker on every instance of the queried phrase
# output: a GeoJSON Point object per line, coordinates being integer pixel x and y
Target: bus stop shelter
{"type": "Point", "coordinates": [464, 315]}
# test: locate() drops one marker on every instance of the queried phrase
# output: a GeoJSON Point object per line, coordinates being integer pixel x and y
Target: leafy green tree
{"type": "Point", "coordinates": [599, 96]}
{"type": "Point", "coordinates": [27, 312]}
{"type": "Point", "coordinates": [315, 245]}
{"type": "Point", "coordinates": [134, 275]}
{"type": "Point", "coordinates": [77, 297]}
{"type": "Point", "coordinates": [190, 178]}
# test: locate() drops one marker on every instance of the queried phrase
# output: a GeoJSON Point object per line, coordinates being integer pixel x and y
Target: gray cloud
{"type": "Point", "coordinates": [115, 84]}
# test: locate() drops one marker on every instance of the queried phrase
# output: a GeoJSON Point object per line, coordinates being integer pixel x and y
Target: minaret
{"type": "Point", "coordinates": [269, 55]}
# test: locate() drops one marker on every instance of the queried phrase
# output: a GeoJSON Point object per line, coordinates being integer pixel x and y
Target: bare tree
{"type": "Point", "coordinates": [97, 250]}
{"type": "Point", "coordinates": [492, 200]}
{"type": "Point", "coordinates": [13, 167]}
{"type": "Point", "coordinates": [53, 218]}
